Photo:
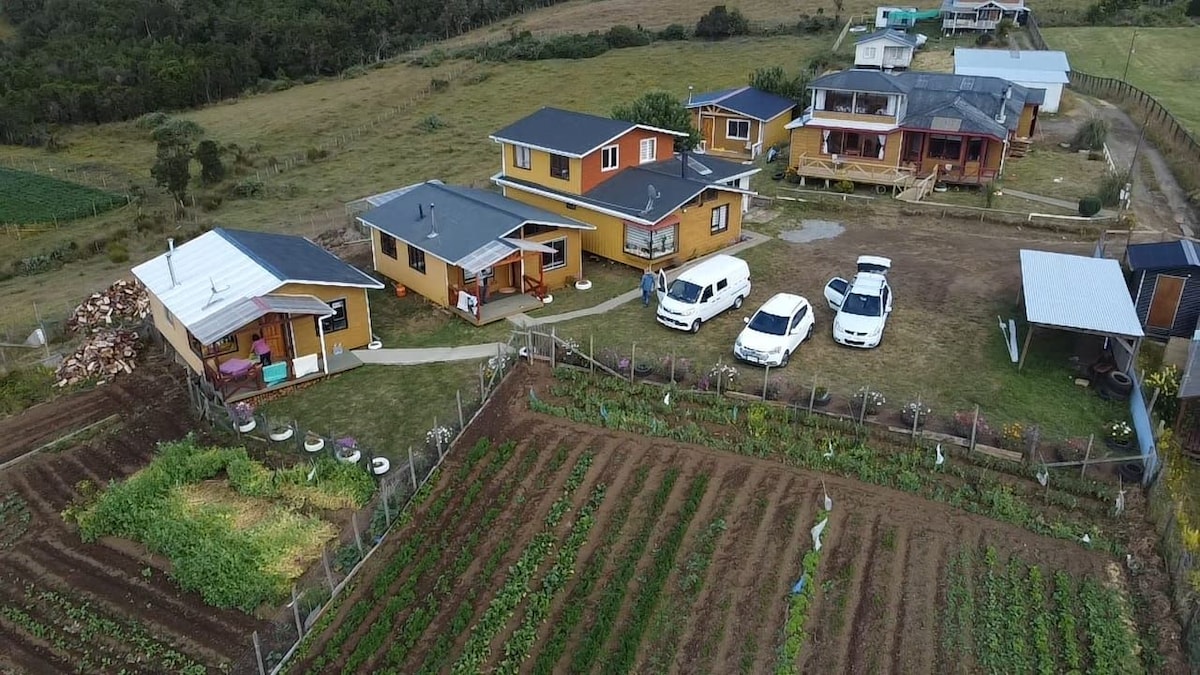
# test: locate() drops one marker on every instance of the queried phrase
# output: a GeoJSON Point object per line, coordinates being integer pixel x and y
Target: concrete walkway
{"type": "Point", "coordinates": [420, 355]}
{"type": "Point", "coordinates": [1051, 201]}
{"type": "Point", "coordinates": [525, 321]}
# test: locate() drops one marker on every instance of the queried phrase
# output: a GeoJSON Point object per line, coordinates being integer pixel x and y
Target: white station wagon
{"type": "Point", "coordinates": [862, 305]}
{"type": "Point", "coordinates": [775, 331]}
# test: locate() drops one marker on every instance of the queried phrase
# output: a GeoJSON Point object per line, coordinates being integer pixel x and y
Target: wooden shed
{"type": "Point", "coordinates": [1165, 286]}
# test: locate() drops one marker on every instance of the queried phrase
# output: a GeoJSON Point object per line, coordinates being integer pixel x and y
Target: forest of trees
{"type": "Point", "coordinates": [75, 61]}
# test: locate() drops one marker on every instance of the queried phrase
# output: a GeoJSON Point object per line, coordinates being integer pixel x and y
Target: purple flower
{"type": "Point", "coordinates": [347, 442]}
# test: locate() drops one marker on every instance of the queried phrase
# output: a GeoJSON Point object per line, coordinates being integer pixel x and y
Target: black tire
{"type": "Point", "coordinates": [808, 335]}
{"type": "Point", "coordinates": [1131, 472]}
{"type": "Point", "coordinates": [1119, 383]}
{"type": "Point", "coordinates": [737, 302]}
{"type": "Point", "coordinates": [695, 326]}
{"type": "Point", "coordinates": [784, 361]}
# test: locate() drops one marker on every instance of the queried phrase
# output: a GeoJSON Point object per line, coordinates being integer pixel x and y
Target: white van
{"type": "Point", "coordinates": [702, 292]}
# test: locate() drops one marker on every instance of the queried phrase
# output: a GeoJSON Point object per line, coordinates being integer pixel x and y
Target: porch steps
{"type": "Point", "coordinates": [1018, 147]}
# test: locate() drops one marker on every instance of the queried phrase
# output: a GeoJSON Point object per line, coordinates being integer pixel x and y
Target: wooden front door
{"type": "Point", "coordinates": [273, 332]}
{"type": "Point", "coordinates": [1165, 302]}
{"type": "Point", "coordinates": [707, 135]}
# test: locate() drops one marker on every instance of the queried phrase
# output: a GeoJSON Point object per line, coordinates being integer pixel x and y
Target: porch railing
{"type": "Point", "coordinates": [534, 285]}
{"type": "Point", "coordinates": [817, 167]}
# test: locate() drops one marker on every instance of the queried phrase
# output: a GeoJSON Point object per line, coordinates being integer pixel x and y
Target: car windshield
{"type": "Point", "coordinates": [770, 324]}
{"type": "Point", "coordinates": [684, 291]}
{"type": "Point", "coordinates": [862, 305]}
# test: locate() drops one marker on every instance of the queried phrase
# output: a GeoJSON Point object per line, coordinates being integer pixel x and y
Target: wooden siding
{"type": "Point", "coordinates": [539, 170]}
{"type": "Point", "coordinates": [555, 279]}
{"type": "Point", "coordinates": [854, 117]}
{"type": "Point", "coordinates": [1188, 313]}
{"type": "Point", "coordinates": [713, 123]}
{"type": "Point", "coordinates": [1023, 126]}
{"type": "Point", "coordinates": [775, 131]}
{"type": "Point", "coordinates": [175, 334]}
{"type": "Point", "coordinates": [807, 141]}
{"type": "Point", "coordinates": [433, 284]}
{"type": "Point", "coordinates": [629, 155]}
{"type": "Point", "coordinates": [358, 330]}
{"type": "Point", "coordinates": [608, 239]}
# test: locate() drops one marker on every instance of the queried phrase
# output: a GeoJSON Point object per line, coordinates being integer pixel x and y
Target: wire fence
{"type": "Point", "coordinates": [36, 340]}
{"type": "Point", "coordinates": [399, 474]}
{"type": "Point", "coordinates": [1113, 452]}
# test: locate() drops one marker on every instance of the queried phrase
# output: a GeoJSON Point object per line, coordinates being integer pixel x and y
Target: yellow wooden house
{"type": "Point", "coordinates": [647, 205]}
{"type": "Point", "coordinates": [473, 251]}
{"type": "Point", "coordinates": [211, 296]}
{"type": "Point", "coordinates": [740, 123]}
{"type": "Point", "coordinates": [892, 129]}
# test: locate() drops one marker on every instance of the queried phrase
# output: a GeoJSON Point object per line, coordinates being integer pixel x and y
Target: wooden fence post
{"type": "Point", "coordinates": [766, 374]}
{"type": "Point", "coordinates": [328, 572]}
{"type": "Point", "coordinates": [412, 470]}
{"type": "Point", "coordinates": [296, 613]}
{"type": "Point", "coordinates": [672, 366]}
{"type": "Point", "coordinates": [632, 360]}
{"type": "Point", "coordinates": [812, 395]}
{"type": "Point", "coordinates": [916, 418]}
{"type": "Point", "coordinates": [1087, 455]}
{"type": "Point", "coordinates": [553, 348]}
{"type": "Point", "coordinates": [262, 667]}
{"type": "Point", "coordinates": [592, 353]}
{"type": "Point", "coordinates": [974, 428]}
{"type": "Point", "coordinates": [357, 534]}
{"type": "Point", "coordinates": [462, 423]}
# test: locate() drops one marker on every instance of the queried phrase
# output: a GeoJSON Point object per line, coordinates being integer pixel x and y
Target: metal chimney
{"type": "Point", "coordinates": [420, 211]}
{"type": "Point", "coordinates": [683, 160]}
{"type": "Point", "coordinates": [170, 264]}
{"type": "Point", "coordinates": [433, 232]}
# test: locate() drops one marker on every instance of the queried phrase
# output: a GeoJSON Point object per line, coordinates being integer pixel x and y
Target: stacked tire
{"type": "Point", "coordinates": [1114, 385]}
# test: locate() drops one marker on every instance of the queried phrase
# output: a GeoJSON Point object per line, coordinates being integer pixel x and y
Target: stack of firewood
{"type": "Point", "coordinates": [121, 302]}
{"type": "Point", "coordinates": [102, 355]}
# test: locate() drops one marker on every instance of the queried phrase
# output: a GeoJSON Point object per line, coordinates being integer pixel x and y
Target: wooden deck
{"type": "Point", "coordinates": [855, 171]}
{"type": "Point", "coordinates": [500, 307]}
{"type": "Point", "coordinates": [338, 363]}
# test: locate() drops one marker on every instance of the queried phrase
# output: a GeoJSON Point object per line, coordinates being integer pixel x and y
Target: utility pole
{"type": "Point", "coordinates": [1129, 57]}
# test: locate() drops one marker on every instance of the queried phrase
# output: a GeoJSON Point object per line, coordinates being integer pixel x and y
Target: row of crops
{"type": "Point", "coordinates": [29, 198]}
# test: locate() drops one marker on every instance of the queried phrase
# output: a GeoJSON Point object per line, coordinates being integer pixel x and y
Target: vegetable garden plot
{"type": "Point", "coordinates": [27, 198]}
{"type": "Point", "coordinates": [563, 547]}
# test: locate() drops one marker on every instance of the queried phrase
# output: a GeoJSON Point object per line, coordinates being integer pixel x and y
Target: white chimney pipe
{"type": "Point", "coordinates": [171, 265]}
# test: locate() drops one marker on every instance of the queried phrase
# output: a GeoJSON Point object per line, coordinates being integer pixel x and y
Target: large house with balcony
{"type": "Point", "coordinates": [891, 129]}
{"type": "Point", "coordinates": [981, 15]}
{"type": "Point", "coordinates": [648, 205]}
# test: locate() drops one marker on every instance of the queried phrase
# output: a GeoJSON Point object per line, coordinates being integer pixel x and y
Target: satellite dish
{"type": "Point", "coordinates": [652, 193]}
{"type": "Point", "coordinates": [213, 296]}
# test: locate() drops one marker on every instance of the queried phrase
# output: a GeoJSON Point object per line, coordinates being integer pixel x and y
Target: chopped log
{"type": "Point", "coordinates": [123, 301]}
{"type": "Point", "coordinates": [108, 353]}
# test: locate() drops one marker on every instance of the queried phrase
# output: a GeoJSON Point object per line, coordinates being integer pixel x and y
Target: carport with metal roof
{"type": "Point", "coordinates": [1080, 294]}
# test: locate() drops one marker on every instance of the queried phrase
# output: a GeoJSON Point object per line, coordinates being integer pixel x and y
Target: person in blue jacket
{"type": "Point", "coordinates": [647, 287]}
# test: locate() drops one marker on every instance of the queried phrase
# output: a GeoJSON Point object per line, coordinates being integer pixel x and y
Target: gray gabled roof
{"type": "Point", "coordinates": [296, 259]}
{"type": "Point", "coordinates": [891, 35]}
{"type": "Point", "coordinates": [465, 219]}
{"type": "Point", "coordinates": [861, 79]}
{"type": "Point", "coordinates": [566, 132]}
{"type": "Point", "coordinates": [748, 101]}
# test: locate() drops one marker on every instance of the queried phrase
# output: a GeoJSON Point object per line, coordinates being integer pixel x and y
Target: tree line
{"type": "Point", "coordinates": [94, 61]}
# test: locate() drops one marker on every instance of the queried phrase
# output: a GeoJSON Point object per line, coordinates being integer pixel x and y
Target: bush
{"type": "Point", "coordinates": [677, 31]}
{"type": "Point", "coordinates": [989, 194]}
{"type": "Point", "coordinates": [315, 154]}
{"type": "Point", "coordinates": [22, 388]}
{"type": "Point", "coordinates": [1111, 184]}
{"type": "Point", "coordinates": [985, 39]}
{"type": "Point", "coordinates": [1089, 206]}
{"type": "Point", "coordinates": [117, 253]}
{"type": "Point", "coordinates": [720, 23]}
{"type": "Point", "coordinates": [438, 84]}
{"type": "Point", "coordinates": [845, 187]}
{"type": "Point", "coordinates": [1091, 136]}
{"type": "Point", "coordinates": [574, 46]}
{"type": "Point", "coordinates": [152, 120]}
{"type": "Point", "coordinates": [1193, 8]}
{"type": "Point", "coordinates": [620, 37]}
{"type": "Point", "coordinates": [431, 123]}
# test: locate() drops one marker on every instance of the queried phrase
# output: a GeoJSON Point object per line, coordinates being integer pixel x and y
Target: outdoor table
{"type": "Point", "coordinates": [236, 367]}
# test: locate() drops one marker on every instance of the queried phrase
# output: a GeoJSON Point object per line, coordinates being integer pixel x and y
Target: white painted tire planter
{"type": "Point", "coordinates": [282, 435]}
{"type": "Point", "coordinates": [247, 427]}
{"type": "Point", "coordinates": [314, 446]}
{"type": "Point", "coordinates": [374, 344]}
{"type": "Point", "coordinates": [380, 466]}
{"type": "Point", "coordinates": [583, 285]}
{"type": "Point", "coordinates": [352, 458]}
{"type": "Point", "coordinates": [548, 299]}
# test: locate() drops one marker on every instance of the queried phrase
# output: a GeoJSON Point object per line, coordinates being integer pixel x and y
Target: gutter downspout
{"type": "Point", "coordinates": [324, 355]}
{"type": "Point", "coordinates": [1003, 156]}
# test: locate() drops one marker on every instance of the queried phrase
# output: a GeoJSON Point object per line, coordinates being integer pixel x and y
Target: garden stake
{"type": "Point", "coordinates": [592, 353]}
{"type": "Point", "coordinates": [296, 613]}
{"type": "Point", "coordinates": [632, 360]}
{"type": "Point", "coordinates": [357, 536]}
{"type": "Point", "coordinates": [1086, 455]}
{"type": "Point", "coordinates": [387, 507]}
{"type": "Point", "coordinates": [974, 426]}
{"type": "Point", "coordinates": [916, 418]}
{"type": "Point", "coordinates": [262, 669]}
{"type": "Point", "coordinates": [812, 395]}
{"type": "Point", "coordinates": [482, 386]}
{"type": "Point", "coordinates": [766, 374]}
{"type": "Point", "coordinates": [412, 472]}
{"type": "Point", "coordinates": [328, 574]}
{"type": "Point", "coordinates": [672, 366]}
{"type": "Point", "coordinates": [553, 347]}
{"type": "Point", "coordinates": [461, 421]}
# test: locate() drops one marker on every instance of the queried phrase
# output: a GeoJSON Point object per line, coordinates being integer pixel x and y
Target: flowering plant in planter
{"type": "Point", "coordinates": [868, 401]}
{"type": "Point", "coordinates": [680, 366]}
{"type": "Point", "coordinates": [1119, 432]}
{"type": "Point", "coordinates": [243, 413]}
{"type": "Point", "coordinates": [915, 412]}
{"type": "Point", "coordinates": [1012, 435]}
{"type": "Point", "coordinates": [497, 364]}
{"type": "Point", "coordinates": [962, 424]}
{"type": "Point", "coordinates": [723, 375]}
{"type": "Point", "coordinates": [439, 436]}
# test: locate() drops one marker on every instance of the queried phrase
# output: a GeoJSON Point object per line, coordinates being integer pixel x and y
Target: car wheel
{"type": "Point", "coordinates": [784, 361]}
{"type": "Point", "coordinates": [696, 326]}
{"type": "Point", "coordinates": [737, 302]}
{"type": "Point", "coordinates": [808, 335]}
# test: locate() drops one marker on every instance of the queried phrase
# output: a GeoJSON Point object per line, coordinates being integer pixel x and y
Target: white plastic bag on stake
{"type": "Point", "coordinates": [816, 534]}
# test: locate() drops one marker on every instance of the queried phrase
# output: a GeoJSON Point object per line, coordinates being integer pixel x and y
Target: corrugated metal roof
{"type": "Point", "coordinates": [1077, 292]}
{"type": "Point", "coordinates": [218, 325]}
{"type": "Point", "coordinates": [1044, 66]}
{"type": "Point", "coordinates": [1163, 255]}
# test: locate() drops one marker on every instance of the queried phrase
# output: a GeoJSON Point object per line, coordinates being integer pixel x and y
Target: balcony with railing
{"type": "Point", "coordinates": [857, 171]}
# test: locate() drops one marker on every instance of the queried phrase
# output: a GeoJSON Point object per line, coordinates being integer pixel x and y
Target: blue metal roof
{"type": "Point", "coordinates": [296, 259]}
{"type": "Point", "coordinates": [563, 131]}
{"type": "Point", "coordinates": [1163, 255]}
{"type": "Point", "coordinates": [747, 101]}
{"type": "Point", "coordinates": [465, 219]}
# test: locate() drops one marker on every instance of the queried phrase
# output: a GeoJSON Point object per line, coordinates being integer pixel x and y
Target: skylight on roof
{"type": "Point", "coordinates": [946, 124]}
{"type": "Point", "coordinates": [968, 83]}
{"type": "Point", "coordinates": [698, 167]}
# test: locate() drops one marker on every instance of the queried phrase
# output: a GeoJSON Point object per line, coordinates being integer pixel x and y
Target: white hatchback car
{"type": "Point", "coordinates": [862, 305]}
{"type": "Point", "coordinates": [775, 331]}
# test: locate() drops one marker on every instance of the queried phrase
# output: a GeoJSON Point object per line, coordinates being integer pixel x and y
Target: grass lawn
{"type": "Point", "coordinates": [412, 321]}
{"type": "Point", "coordinates": [1165, 61]}
{"type": "Point", "coordinates": [386, 408]}
{"type": "Point", "coordinates": [609, 279]}
{"type": "Point", "coordinates": [1050, 171]}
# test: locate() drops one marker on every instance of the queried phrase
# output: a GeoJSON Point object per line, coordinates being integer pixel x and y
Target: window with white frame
{"type": "Point", "coordinates": [648, 243]}
{"type": "Point", "coordinates": [557, 259]}
{"type": "Point", "coordinates": [339, 320]}
{"type": "Point", "coordinates": [648, 150]}
{"type": "Point", "coordinates": [868, 52]}
{"type": "Point", "coordinates": [720, 219]}
{"type": "Point", "coordinates": [522, 157]}
{"type": "Point", "coordinates": [737, 130]}
{"type": "Point", "coordinates": [610, 158]}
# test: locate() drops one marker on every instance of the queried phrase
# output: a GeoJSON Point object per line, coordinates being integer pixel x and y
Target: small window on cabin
{"type": "Point", "coordinates": [975, 150]}
{"type": "Point", "coordinates": [339, 320]}
{"type": "Point", "coordinates": [560, 166]}
{"type": "Point", "coordinates": [416, 259]}
{"type": "Point", "coordinates": [387, 244]}
{"type": "Point", "coordinates": [522, 157]}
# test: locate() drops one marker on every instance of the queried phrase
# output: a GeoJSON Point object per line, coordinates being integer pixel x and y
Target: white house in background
{"type": "Point", "coordinates": [975, 15]}
{"type": "Point", "coordinates": [1034, 69]}
{"type": "Point", "coordinates": [885, 50]}
{"type": "Point", "coordinates": [882, 14]}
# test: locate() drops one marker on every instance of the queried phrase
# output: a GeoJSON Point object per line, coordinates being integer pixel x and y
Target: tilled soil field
{"type": "Point", "coordinates": [105, 607]}
{"type": "Point", "coordinates": [562, 547]}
